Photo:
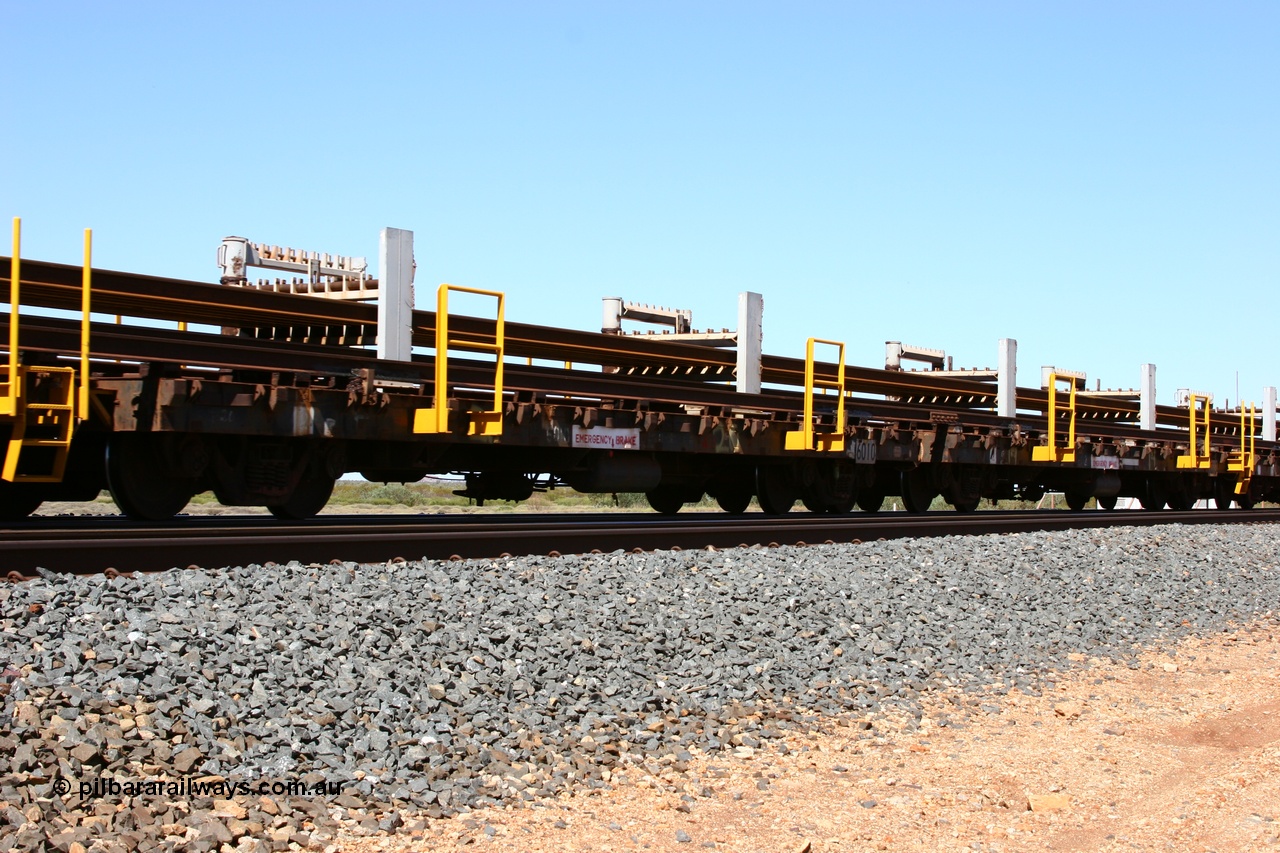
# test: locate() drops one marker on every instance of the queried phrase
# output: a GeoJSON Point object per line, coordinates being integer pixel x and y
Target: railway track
{"type": "Point", "coordinates": [90, 545]}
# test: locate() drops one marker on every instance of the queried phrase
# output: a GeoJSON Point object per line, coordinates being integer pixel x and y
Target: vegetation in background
{"type": "Point", "coordinates": [439, 493]}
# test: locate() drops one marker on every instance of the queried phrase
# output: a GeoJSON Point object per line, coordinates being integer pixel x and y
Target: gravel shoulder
{"type": "Point", "coordinates": [1179, 750]}
{"type": "Point", "coordinates": [988, 693]}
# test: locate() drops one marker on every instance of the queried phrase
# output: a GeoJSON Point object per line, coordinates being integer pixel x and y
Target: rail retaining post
{"type": "Point", "coordinates": [395, 295]}
{"type": "Point", "coordinates": [1147, 398]}
{"type": "Point", "coordinates": [1007, 379]}
{"type": "Point", "coordinates": [1269, 413]}
{"type": "Point", "coordinates": [750, 341]}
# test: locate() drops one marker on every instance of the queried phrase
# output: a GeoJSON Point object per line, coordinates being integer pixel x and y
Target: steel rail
{"type": "Point", "coordinates": [141, 344]}
{"type": "Point", "coordinates": [547, 384]}
{"type": "Point", "coordinates": [144, 344]}
{"type": "Point", "coordinates": [58, 286]}
{"type": "Point", "coordinates": [126, 547]}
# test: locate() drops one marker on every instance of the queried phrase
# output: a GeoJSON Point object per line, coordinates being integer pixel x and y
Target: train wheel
{"type": "Point", "coordinates": [776, 490]}
{"type": "Point", "coordinates": [734, 502]}
{"type": "Point", "coordinates": [965, 504]}
{"type": "Point", "coordinates": [140, 484]}
{"type": "Point", "coordinates": [666, 500]}
{"type": "Point", "coordinates": [918, 491]}
{"type": "Point", "coordinates": [1245, 501]}
{"type": "Point", "coordinates": [308, 498]}
{"type": "Point", "coordinates": [837, 506]}
{"type": "Point", "coordinates": [868, 502]}
{"type": "Point", "coordinates": [1224, 493]}
{"type": "Point", "coordinates": [1077, 500]}
{"type": "Point", "coordinates": [17, 501]}
{"type": "Point", "coordinates": [843, 506]}
{"type": "Point", "coordinates": [1154, 498]}
{"type": "Point", "coordinates": [1108, 503]}
{"type": "Point", "coordinates": [1180, 501]}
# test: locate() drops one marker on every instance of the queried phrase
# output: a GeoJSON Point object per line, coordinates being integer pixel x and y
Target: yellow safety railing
{"type": "Point", "coordinates": [807, 438]}
{"type": "Point", "coordinates": [46, 424]}
{"type": "Point", "coordinates": [12, 382]}
{"type": "Point", "coordinates": [86, 287]}
{"type": "Point", "coordinates": [436, 419]}
{"type": "Point", "coordinates": [1242, 462]}
{"type": "Point", "coordinates": [1051, 452]}
{"type": "Point", "coordinates": [1198, 457]}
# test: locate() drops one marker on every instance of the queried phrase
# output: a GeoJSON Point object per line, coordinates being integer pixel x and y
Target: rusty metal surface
{"type": "Point", "coordinates": [83, 545]}
{"type": "Point", "coordinates": [57, 286]}
{"type": "Point", "coordinates": [634, 396]}
{"type": "Point", "coordinates": [148, 345]}
{"type": "Point", "coordinates": [654, 372]}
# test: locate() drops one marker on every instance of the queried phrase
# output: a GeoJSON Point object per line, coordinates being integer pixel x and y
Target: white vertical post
{"type": "Point", "coordinates": [1007, 379]}
{"type": "Point", "coordinates": [395, 295]}
{"type": "Point", "coordinates": [750, 342]}
{"type": "Point", "coordinates": [1147, 398]}
{"type": "Point", "coordinates": [1269, 413]}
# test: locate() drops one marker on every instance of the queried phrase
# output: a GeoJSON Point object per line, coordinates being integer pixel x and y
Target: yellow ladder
{"type": "Point", "coordinates": [46, 423]}
{"type": "Point", "coordinates": [807, 438]}
{"type": "Point", "coordinates": [1242, 461]}
{"type": "Point", "coordinates": [436, 419]}
{"type": "Point", "coordinates": [1052, 452]}
{"type": "Point", "coordinates": [1199, 458]}
{"type": "Point", "coordinates": [49, 422]}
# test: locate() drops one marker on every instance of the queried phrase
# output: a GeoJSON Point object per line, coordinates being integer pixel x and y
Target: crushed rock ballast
{"type": "Point", "coordinates": [408, 690]}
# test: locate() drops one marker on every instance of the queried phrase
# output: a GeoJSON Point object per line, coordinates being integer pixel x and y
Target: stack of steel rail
{"type": "Point", "coordinates": [282, 395]}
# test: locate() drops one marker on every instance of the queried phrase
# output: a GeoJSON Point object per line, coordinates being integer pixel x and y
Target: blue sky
{"type": "Point", "coordinates": [1097, 180]}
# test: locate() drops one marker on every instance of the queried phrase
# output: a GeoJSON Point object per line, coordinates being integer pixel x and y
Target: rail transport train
{"type": "Point", "coordinates": [266, 392]}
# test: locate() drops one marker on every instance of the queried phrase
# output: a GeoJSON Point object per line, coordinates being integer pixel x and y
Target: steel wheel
{"type": "Point", "coordinates": [734, 502]}
{"type": "Point", "coordinates": [835, 506]}
{"type": "Point", "coordinates": [140, 483]}
{"type": "Point", "coordinates": [308, 498]}
{"type": "Point", "coordinates": [1108, 503]}
{"type": "Point", "coordinates": [17, 501]}
{"type": "Point", "coordinates": [775, 490]}
{"type": "Point", "coordinates": [965, 504]}
{"type": "Point", "coordinates": [917, 490]}
{"type": "Point", "coordinates": [843, 506]}
{"type": "Point", "coordinates": [1224, 493]}
{"type": "Point", "coordinates": [666, 499]}
{"type": "Point", "coordinates": [1077, 500]}
{"type": "Point", "coordinates": [1154, 497]}
{"type": "Point", "coordinates": [870, 502]}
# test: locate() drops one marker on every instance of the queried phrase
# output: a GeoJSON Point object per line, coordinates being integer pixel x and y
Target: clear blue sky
{"type": "Point", "coordinates": [1097, 180]}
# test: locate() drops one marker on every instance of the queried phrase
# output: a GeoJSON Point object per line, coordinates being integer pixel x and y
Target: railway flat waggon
{"type": "Point", "coordinates": [266, 393]}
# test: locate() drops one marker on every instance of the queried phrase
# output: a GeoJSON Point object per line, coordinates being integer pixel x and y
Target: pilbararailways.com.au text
{"type": "Point", "coordinates": [100, 788]}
